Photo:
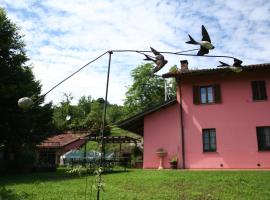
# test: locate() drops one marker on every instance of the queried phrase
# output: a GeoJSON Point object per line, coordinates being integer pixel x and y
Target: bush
{"type": "Point", "coordinates": [24, 161]}
{"type": "Point", "coordinates": [28, 157]}
{"type": "Point", "coordinates": [8, 194]}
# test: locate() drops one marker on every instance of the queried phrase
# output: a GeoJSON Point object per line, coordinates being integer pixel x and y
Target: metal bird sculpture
{"type": "Point", "coordinates": [205, 44]}
{"type": "Point", "coordinates": [159, 60]}
{"type": "Point", "coordinates": [236, 67]}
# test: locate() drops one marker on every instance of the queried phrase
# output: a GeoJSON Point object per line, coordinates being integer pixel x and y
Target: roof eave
{"type": "Point", "coordinates": [192, 72]}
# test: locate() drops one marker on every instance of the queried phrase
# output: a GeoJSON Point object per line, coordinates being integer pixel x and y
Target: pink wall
{"type": "Point", "coordinates": [162, 130]}
{"type": "Point", "coordinates": [235, 121]}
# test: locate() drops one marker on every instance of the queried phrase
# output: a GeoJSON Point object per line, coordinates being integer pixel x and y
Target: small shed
{"type": "Point", "coordinates": [50, 150]}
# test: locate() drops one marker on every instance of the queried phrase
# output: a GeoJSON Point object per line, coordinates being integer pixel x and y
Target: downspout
{"type": "Point", "coordinates": [181, 123]}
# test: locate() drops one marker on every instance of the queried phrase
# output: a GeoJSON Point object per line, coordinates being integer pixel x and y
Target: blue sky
{"type": "Point", "coordinates": [63, 35]}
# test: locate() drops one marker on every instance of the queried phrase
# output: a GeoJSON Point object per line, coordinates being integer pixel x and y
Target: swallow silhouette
{"type": "Point", "coordinates": [205, 44]}
{"type": "Point", "coordinates": [237, 65]}
{"type": "Point", "coordinates": [159, 60]}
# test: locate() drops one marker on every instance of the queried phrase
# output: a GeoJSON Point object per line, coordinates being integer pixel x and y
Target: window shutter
{"type": "Point", "coordinates": [263, 90]}
{"type": "Point", "coordinates": [196, 95]}
{"type": "Point", "coordinates": [217, 93]}
{"type": "Point", "coordinates": [255, 93]}
{"type": "Point", "coordinates": [259, 90]}
{"type": "Point", "coordinates": [260, 138]}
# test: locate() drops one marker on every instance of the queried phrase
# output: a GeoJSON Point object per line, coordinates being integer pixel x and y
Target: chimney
{"type": "Point", "coordinates": [184, 65]}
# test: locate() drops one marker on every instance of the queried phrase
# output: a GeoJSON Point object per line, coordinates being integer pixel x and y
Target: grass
{"type": "Point", "coordinates": [142, 184]}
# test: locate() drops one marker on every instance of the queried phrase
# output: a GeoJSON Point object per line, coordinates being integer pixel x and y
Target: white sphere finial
{"type": "Point", "coordinates": [25, 103]}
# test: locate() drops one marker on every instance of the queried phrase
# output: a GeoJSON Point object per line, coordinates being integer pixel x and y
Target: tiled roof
{"type": "Point", "coordinates": [61, 140]}
{"type": "Point", "coordinates": [191, 72]}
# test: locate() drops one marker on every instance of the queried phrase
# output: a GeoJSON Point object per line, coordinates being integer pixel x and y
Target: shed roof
{"type": "Point", "coordinates": [59, 141]}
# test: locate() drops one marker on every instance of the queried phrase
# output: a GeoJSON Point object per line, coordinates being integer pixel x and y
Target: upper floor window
{"type": "Point", "coordinates": [209, 140]}
{"type": "Point", "coordinates": [206, 94]}
{"type": "Point", "coordinates": [263, 137]}
{"type": "Point", "coordinates": [258, 90]}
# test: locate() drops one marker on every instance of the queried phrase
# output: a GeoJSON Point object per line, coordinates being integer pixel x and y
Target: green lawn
{"type": "Point", "coordinates": [143, 184]}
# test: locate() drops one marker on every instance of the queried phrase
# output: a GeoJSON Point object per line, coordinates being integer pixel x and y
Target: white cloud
{"type": "Point", "coordinates": [63, 35]}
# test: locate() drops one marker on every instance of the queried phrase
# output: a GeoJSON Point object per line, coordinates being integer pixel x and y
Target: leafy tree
{"type": "Point", "coordinates": [64, 114]}
{"type": "Point", "coordinates": [94, 119]}
{"type": "Point", "coordinates": [18, 128]}
{"type": "Point", "coordinates": [85, 104]}
{"type": "Point", "coordinates": [146, 90]}
{"type": "Point", "coordinates": [86, 115]}
{"type": "Point", "coordinates": [114, 113]}
{"type": "Point", "coordinates": [172, 84]}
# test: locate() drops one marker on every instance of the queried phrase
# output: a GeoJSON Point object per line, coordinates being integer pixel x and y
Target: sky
{"type": "Point", "coordinates": [63, 35]}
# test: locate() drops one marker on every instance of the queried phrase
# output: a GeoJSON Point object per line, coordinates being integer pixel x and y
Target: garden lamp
{"type": "Point", "coordinates": [25, 103]}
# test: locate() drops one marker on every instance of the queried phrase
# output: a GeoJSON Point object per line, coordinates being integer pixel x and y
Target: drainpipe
{"type": "Point", "coordinates": [184, 68]}
{"type": "Point", "coordinates": [182, 123]}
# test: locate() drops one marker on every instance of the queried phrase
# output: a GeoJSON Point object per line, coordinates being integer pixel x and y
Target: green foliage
{"type": "Point", "coordinates": [7, 194]}
{"type": "Point", "coordinates": [81, 170]}
{"type": "Point", "coordinates": [99, 182]}
{"type": "Point", "coordinates": [114, 113]}
{"type": "Point", "coordinates": [94, 118]}
{"type": "Point", "coordinates": [28, 156]}
{"type": "Point", "coordinates": [77, 113]}
{"type": "Point", "coordinates": [146, 90]}
{"type": "Point", "coordinates": [136, 151]}
{"type": "Point", "coordinates": [174, 159]}
{"type": "Point", "coordinates": [86, 115]}
{"type": "Point", "coordinates": [18, 127]}
{"type": "Point", "coordinates": [172, 83]}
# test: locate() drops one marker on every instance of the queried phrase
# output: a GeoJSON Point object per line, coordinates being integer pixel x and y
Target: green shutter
{"type": "Point", "coordinates": [196, 94]}
{"type": "Point", "coordinates": [217, 93]}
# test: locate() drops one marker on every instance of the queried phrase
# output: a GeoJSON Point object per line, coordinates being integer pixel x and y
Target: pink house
{"type": "Point", "coordinates": [220, 120]}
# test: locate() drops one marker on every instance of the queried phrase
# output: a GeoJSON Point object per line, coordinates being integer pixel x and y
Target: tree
{"type": "Point", "coordinates": [172, 84]}
{"type": "Point", "coordinates": [114, 113]}
{"type": "Point", "coordinates": [86, 115]}
{"type": "Point", "coordinates": [18, 128]}
{"type": "Point", "coordinates": [62, 112]}
{"type": "Point", "coordinates": [146, 90]}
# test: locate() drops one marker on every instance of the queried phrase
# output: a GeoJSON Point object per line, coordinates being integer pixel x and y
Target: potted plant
{"type": "Point", "coordinates": [173, 162]}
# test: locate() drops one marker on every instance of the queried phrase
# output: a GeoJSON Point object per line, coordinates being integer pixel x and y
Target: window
{"type": "Point", "coordinates": [206, 94]}
{"type": "Point", "coordinates": [258, 90]}
{"type": "Point", "coordinates": [263, 137]}
{"type": "Point", "coordinates": [209, 140]}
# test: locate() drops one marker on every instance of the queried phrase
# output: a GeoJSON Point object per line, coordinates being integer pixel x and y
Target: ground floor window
{"type": "Point", "coordinates": [263, 137]}
{"type": "Point", "coordinates": [209, 140]}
